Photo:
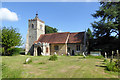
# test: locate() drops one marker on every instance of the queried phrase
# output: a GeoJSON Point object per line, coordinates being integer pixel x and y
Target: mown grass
{"type": "Point", "coordinates": [64, 67]}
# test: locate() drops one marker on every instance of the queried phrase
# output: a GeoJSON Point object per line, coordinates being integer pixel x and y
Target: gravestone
{"type": "Point", "coordinates": [105, 56]}
{"type": "Point", "coordinates": [28, 60]}
{"type": "Point", "coordinates": [84, 55]}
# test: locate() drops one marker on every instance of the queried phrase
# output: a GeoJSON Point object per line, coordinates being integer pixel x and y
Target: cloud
{"type": "Point", "coordinates": [60, 31]}
{"type": "Point", "coordinates": [7, 15]}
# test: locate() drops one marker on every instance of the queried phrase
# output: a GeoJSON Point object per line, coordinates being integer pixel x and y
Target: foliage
{"type": "Point", "coordinates": [13, 51]}
{"type": "Point", "coordinates": [78, 54]}
{"type": "Point", "coordinates": [10, 38]}
{"type": "Point", "coordinates": [112, 66]}
{"type": "Point", "coordinates": [53, 57]}
{"type": "Point", "coordinates": [90, 40]}
{"type": "Point", "coordinates": [105, 60]}
{"type": "Point", "coordinates": [89, 34]}
{"type": "Point", "coordinates": [97, 57]}
{"type": "Point", "coordinates": [108, 24]}
{"type": "Point", "coordinates": [49, 29]}
{"type": "Point", "coordinates": [28, 53]}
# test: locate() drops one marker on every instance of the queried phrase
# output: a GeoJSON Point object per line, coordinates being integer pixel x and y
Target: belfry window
{"type": "Point", "coordinates": [40, 26]}
{"type": "Point", "coordinates": [32, 25]}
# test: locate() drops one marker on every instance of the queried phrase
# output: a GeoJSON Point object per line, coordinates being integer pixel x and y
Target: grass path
{"type": "Point", "coordinates": [64, 67]}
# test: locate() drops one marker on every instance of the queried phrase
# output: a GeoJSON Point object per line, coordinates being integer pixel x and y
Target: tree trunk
{"type": "Point", "coordinates": [111, 57]}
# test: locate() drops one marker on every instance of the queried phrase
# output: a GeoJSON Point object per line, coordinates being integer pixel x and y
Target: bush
{"type": "Point", "coordinates": [105, 60]}
{"type": "Point", "coordinates": [13, 51]}
{"type": "Point", "coordinates": [77, 54]}
{"type": "Point", "coordinates": [112, 66]}
{"type": "Point", "coordinates": [53, 57]}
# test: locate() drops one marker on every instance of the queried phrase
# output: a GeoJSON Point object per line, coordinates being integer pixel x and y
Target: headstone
{"type": "Point", "coordinates": [105, 56]}
{"type": "Point", "coordinates": [62, 54]}
{"type": "Point", "coordinates": [84, 55]}
{"type": "Point", "coordinates": [55, 53]}
{"type": "Point", "coordinates": [28, 60]}
{"type": "Point", "coordinates": [68, 54]}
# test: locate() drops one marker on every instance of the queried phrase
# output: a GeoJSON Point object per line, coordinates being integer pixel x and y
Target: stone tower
{"type": "Point", "coordinates": [36, 27]}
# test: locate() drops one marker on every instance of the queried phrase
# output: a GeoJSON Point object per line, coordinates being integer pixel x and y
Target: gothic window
{"type": "Point", "coordinates": [56, 47]}
{"type": "Point", "coordinates": [78, 47]}
{"type": "Point", "coordinates": [32, 25]}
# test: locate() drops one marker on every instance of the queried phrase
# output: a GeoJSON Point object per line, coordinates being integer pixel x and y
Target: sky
{"type": "Point", "coordinates": [65, 16]}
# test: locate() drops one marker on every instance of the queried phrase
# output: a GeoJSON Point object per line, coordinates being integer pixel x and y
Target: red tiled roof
{"type": "Point", "coordinates": [61, 37]}
{"type": "Point", "coordinates": [76, 37]}
{"type": "Point", "coordinates": [53, 38]}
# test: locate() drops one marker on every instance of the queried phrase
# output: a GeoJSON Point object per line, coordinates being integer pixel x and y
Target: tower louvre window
{"type": "Point", "coordinates": [40, 26]}
{"type": "Point", "coordinates": [32, 25]}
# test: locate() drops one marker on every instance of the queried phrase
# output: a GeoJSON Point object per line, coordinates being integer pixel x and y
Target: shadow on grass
{"type": "Point", "coordinates": [100, 66]}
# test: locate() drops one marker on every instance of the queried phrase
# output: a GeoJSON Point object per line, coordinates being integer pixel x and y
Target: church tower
{"type": "Point", "coordinates": [36, 27]}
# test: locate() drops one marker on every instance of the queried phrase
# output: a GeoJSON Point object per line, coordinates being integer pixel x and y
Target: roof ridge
{"type": "Point", "coordinates": [56, 33]}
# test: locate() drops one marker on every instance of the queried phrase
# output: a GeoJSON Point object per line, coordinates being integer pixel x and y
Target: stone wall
{"type": "Point", "coordinates": [72, 46]}
{"type": "Point", "coordinates": [62, 49]}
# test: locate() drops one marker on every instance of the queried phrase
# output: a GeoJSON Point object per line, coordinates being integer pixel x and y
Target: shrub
{"type": "Point", "coordinates": [53, 57]}
{"type": "Point", "coordinates": [28, 53]}
{"type": "Point", "coordinates": [77, 54]}
{"type": "Point", "coordinates": [13, 51]}
{"type": "Point", "coordinates": [112, 66]}
{"type": "Point", "coordinates": [105, 60]}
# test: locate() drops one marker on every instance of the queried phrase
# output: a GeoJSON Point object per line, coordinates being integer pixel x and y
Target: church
{"type": "Point", "coordinates": [38, 43]}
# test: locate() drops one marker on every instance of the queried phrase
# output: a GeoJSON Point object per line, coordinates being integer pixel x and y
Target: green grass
{"type": "Point", "coordinates": [64, 67]}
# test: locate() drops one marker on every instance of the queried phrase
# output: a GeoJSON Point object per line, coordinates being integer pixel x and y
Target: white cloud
{"type": "Point", "coordinates": [6, 14]}
{"type": "Point", "coordinates": [60, 31]}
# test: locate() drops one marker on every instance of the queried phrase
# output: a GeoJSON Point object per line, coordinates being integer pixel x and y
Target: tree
{"type": "Point", "coordinates": [109, 24]}
{"type": "Point", "coordinates": [89, 39]}
{"type": "Point", "coordinates": [49, 29]}
{"type": "Point", "coordinates": [10, 38]}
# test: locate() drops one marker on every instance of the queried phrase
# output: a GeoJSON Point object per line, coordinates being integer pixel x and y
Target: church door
{"type": "Point", "coordinates": [38, 51]}
{"type": "Point", "coordinates": [73, 53]}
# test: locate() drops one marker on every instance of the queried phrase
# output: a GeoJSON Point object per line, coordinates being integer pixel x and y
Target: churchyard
{"type": "Point", "coordinates": [64, 67]}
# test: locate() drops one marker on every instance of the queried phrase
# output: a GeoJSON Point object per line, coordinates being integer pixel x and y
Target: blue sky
{"type": "Point", "coordinates": [65, 16]}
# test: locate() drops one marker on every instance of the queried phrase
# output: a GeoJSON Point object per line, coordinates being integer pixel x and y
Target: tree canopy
{"type": "Point", "coordinates": [107, 29]}
{"type": "Point", "coordinates": [10, 38]}
{"type": "Point", "coordinates": [49, 29]}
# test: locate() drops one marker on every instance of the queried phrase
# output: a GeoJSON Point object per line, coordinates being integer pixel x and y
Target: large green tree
{"type": "Point", "coordinates": [49, 29]}
{"type": "Point", "coordinates": [10, 38]}
{"type": "Point", "coordinates": [107, 29]}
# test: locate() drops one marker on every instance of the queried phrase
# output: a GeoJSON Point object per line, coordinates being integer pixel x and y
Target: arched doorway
{"type": "Point", "coordinates": [38, 51]}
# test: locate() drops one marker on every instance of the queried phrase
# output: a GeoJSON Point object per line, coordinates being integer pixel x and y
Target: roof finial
{"type": "Point", "coordinates": [36, 14]}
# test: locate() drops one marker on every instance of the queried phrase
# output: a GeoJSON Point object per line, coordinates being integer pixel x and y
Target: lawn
{"type": "Point", "coordinates": [64, 67]}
